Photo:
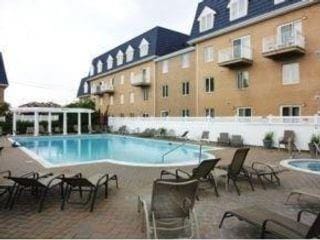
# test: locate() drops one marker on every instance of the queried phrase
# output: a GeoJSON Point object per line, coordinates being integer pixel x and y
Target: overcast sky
{"type": "Point", "coordinates": [48, 44]}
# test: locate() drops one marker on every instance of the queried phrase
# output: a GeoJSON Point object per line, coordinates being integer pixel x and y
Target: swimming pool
{"type": "Point", "coordinates": [303, 165]}
{"type": "Point", "coordinates": [58, 151]}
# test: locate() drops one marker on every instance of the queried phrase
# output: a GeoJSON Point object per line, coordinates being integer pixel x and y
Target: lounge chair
{"type": "Point", "coordinates": [236, 141]}
{"type": "Point", "coordinates": [184, 136]}
{"type": "Point", "coordinates": [202, 173]}
{"type": "Point", "coordinates": [275, 224]}
{"type": "Point", "coordinates": [30, 131]}
{"type": "Point", "coordinates": [224, 139]}
{"type": "Point", "coordinates": [6, 186]}
{"type": "Point", "coordinates": [312, 193]}
{"type": "Point", "coordinates": [205, 137]}
{"type": "Point", "coordinates": [235, 171]}
{"type": "Point", "coordinates": [265, 173]}
{"type": "Point", "coordinates": [171, 211]}
{"type": "Point", "coordinates": [80, 184]}
{"type": "Point", "coordinates": [41, 182]}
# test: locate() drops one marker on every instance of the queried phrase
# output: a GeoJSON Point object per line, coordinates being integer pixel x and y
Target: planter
{"type": "Point", "coordinates": [268, 143]}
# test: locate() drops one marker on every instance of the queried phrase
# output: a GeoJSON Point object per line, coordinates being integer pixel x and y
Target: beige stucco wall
{"type": "Point", "coordinates": [266, 93]}
{"type": "Point", "coordinates": [176, 75]}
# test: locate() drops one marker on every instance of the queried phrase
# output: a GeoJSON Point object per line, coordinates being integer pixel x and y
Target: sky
{"type": "Point", "coordinates": [48, 45]}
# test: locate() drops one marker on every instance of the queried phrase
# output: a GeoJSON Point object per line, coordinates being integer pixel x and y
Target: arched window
{"type": "Point", "coordinates": [120, 58]}
{"type": "Point", "coordinates": [86, 87]}
{"type": "Point", "coordinates": [129, 53]}
{"type": "Point", "coordinates": [110, 62]}
{"type": "Point", "coordinates": [144, 48]}
{"type": "Point", "coordinates": [99, 66]}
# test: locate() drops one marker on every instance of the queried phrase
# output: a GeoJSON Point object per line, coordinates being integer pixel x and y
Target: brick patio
{"type": "Point", "coordinates": [117, 217]}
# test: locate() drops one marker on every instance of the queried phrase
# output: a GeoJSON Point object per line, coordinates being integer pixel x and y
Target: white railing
{"type": "Point", "coordinates": [102, 89]}
{"type": "Point", "coordinates": [234, 53]}
{"type": "Point", "coordinates": [140, 78]}
{"type": "Point", "coordinates": [252, 129]}
{"type": "Point", "coordinates": [276, 42]}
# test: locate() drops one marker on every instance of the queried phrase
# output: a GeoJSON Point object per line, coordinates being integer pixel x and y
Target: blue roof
{"type": "Point", "coordinates": [162, 41]}
{"type": "Point", "coordinates": [255, 9]}
{"type": "Point", "coordinates": [3, 75]}
{"type": "Point", "coordinates": [81, 88]}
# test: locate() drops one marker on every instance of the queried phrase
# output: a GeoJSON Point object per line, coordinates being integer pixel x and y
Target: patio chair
{"type": "Point", "coordinates": [288, 140]}
{"type": "Point", "coordinates": [29, 131]}
{"type": "Point", "coordinates": [276, 224]}
{"type": "Point", "coordinates": [308, 192]}
{"type": "Point", "coordinates": [235, 171]}
{"type": "Point", "coordinates": [81, 184]}
{"type": "Point", "coordinates": [236, 141]}
{"type": "Point", "coordinates": [205, 137]}
{"type": "Point", "coordinates": [265, 173]}
{"type": "Point", "coordinates": [171, 213]}
{"type": "Point", "coordinates": [224, 139]}
{"type": "Point", "coordinates": [202, 173]}
{"type": "Point", "coordinates": [184, 136]}
{"type": "Point", "coordinates": [42, 183]}
{"type": "Point", "coordinates": [6, 186]}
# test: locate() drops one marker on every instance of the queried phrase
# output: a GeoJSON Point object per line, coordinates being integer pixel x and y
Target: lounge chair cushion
{"type": "Point", "coordinates": [256, 216]}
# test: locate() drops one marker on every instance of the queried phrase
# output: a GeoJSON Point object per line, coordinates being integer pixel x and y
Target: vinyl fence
{"type": "Point", "coordinates": [252, 129]}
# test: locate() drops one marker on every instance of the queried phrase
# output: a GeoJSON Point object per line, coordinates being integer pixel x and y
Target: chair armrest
{"type": "Point", "coordinates": [305, 211]}
{"type": "Point", "coordinates": [105, 176]}
{"type": "Point", "coordinates": [142, 205]}
{"type": "Point", "coordinates": [183, 172]}
{"type": "Point", "coordinates": [265, 224]}
{"type": "Point", "coordinates": [8, 173]}
{"type": "Point", "coordinates": [264, 165]}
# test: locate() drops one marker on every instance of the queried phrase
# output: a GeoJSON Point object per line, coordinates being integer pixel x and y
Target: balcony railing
{"type": "Point", "coordinates": [140, 79]}
{"type": "Point", "coordinates": [278, 46]}
{"type": "Point", "coordinates": [100, 90]}
{"type": "Point", "coordinates": [235, 56]}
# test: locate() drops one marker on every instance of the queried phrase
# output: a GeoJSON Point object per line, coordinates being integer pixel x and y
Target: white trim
{"type": "Point", "coordinates": [255, 20]}
{"type": "Point", "coordinates": [175, 54]}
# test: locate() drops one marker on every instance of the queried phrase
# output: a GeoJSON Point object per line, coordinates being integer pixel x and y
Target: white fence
{"type": "Point", "coordinates": [252, 129]}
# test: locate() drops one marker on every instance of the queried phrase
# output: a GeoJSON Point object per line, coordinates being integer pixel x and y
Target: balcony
{"type": "Point", "coordinates": [234, 57]}
{"type": "Point", "coordinates": [103, 89]}
{"type": "Point", "coordinates": [140, 80]}
{"type": "Point", "coordinates": [280, 48]}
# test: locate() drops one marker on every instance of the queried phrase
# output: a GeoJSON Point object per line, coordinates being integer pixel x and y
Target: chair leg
{"type": "Point", "coordinates": [250, 182]}
{"type": "Point", "coordinates": [106, 185]}
{"type": "Point", "coordinates": [93, 198]}
{"type": "Point", "coordinates": [213, 182]}
{"type": "Point", "coordinates": [10, 194]}
{"type": "Point", "coordinates": [42, 199]}
{"type": "Point", "coordinates": [15, 194]}
{"type": "Point", "coordinates": [261, 182]}
{"type": "Point", "coordinates": [236, 186]}
{"type": "Point", "coordinates": [65, 196]}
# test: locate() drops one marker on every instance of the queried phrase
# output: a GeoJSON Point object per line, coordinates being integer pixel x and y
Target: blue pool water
{"type": "Point", "coordinates": [306, 165]}
{"type": "Point", "coordinates": [62, 151]}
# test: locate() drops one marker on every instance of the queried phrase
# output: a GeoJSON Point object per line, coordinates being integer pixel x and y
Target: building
{"type": "Point", "coordinates": [3, 79]}
{"type": "Point", "coordinates": [245, 58]}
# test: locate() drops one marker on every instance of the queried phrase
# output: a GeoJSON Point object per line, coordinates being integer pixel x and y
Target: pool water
{"type": "Point", "coordinates": [306, 165]}
{"type": "Point", "coordinates": [73, 150]}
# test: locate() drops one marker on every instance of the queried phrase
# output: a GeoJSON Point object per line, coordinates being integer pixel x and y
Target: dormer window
{"type": "Point", "coordinates": [86, 87]}
{"type": "Point", "coordinates": [206, 19]}
{"type": "Point", "coordinates": [144, 48]}
{"type": "Point", "coordinates": [91, 72]}
{"type": "Point", "coordinates": [99, 66]}
{"type": "Point", "coordinates": [129, 53]}
{"type": "Point", "coordinates": [238, 9]}
{"type": "Point", "coordinates": [110, 62]}
{"type": "Point", "coordinates": [120, 58]}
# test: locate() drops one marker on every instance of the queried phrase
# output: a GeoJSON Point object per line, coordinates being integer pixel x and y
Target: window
{"type": "Point", "coordinates": [164, 114]}
{"type": "Point", "coordinates": [209, 82]}
{"type": "Point", "coordinates": [242, 47]}
{"type": "Point", "coordinates": [122, 80]}
{"type": "Point", "coordinates": [206, 19]}
{"type": "Point", "coordinates": [131, 115]}
{"type": "Point", "coordinates": [238, 9]}
{"type": "Point", "coordinates": [91, 72]}
{"type": "Point", "coordinates": [144, 48]}
{"type": "Point", "coordinates": [132, 77]}
{"type": "Point", "coordinates": [185, 88]}
{"type": "Point", "coordinates": [110, 62]}
{"type": "Point", "coordinates": [131, 98]}
{"type": "Point", "coordinates": [242, 79]}
{"type": "Point", "coordinates": [279, 1]}
{"type": "Point", "coordinates": [120, 58]}
{"type": "Point", "coordinates": [165, 66]}
{"type": "Point", "coordinates": [111, 100]}
{"type": "Point", "coordinates": [121, 99]}
{"type": "Point", "coordinates": [208, 54]}
{"type": "Point", "coordinates": [244, 112]}
{"type": "Point", "coordinates": [210, 112]}
{"type": "Point", "coordinates": [86, 87]}
{"type": "Point", "coordinates": [185, 60]}
{"type": "Point", "coordinates": [129, 54]}
{"type": "Point", "coordinates": [290, 73]}
{"type": "Point", "coordinates": [99, 66]}
{"type": "Point", "coordinates": [290, 111]}
{"type": "Point", "coordinates": [288, 33]}
{"type": "Point", "coordinates": [185, 113]}
{"type": "Point", "coordinates": [145, 94]}
{"type": "Point", "coordinates": [165, 91]}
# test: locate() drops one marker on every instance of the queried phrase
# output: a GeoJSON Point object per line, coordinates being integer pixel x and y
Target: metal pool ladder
{"type": "Point", "coordinates": [172, 150]}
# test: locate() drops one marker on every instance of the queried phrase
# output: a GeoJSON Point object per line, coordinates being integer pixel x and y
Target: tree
{"type": "Point", "coordinates": [83, 104]}
{"type": "Point", "coordinates": [4, 109]}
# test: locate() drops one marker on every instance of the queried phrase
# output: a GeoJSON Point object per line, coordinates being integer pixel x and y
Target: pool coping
{"type": "Point", "coordinates": [48, 165]}
{"type": "Point", "coordinates": [285, 163]}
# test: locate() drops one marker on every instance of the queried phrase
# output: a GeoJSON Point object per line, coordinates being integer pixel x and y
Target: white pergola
{"type": "Point", "coordinates": [38, 110]}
